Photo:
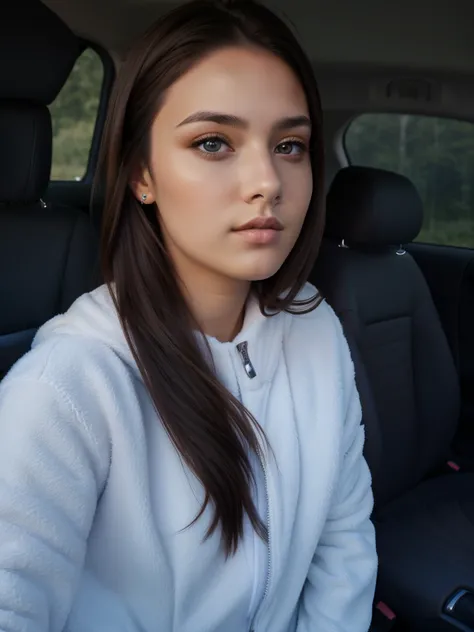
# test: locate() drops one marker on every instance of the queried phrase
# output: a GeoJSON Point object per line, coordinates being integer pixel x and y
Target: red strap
{"type": "Point", "coordinates": [386, 611]}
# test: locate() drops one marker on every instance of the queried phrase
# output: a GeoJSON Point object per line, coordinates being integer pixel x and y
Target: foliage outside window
{"type": "Point", "coordinates": [74, 114]}
{"type": "Point", "coordinates": [436, 154]}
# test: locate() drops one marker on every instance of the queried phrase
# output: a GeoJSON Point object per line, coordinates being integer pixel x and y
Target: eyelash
{"type": "Point", "coordinates": [222, 139]}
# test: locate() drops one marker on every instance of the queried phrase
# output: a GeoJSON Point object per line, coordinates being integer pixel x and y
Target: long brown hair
{"type": "Point", "coordinates": [212, 431]}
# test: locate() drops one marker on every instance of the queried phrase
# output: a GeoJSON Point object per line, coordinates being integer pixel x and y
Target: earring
{"type": "Point", "coordinates": [144, 198]}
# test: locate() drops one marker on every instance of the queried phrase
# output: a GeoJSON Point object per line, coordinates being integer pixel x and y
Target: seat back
{"type": "Point", "coordinates": [404, 369]}
{"type": "Point", "coordinates": [48, 255]}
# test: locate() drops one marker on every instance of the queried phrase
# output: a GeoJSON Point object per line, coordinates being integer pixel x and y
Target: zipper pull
{"type": "Point", "coordinates": [242, 348]}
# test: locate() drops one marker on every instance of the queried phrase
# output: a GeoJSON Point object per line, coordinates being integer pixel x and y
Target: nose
{"type": "Point", "coordinates": [261, 181]}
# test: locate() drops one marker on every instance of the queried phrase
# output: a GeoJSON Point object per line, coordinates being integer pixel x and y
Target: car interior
{"type": "Point", "coordinates": [396, 263]}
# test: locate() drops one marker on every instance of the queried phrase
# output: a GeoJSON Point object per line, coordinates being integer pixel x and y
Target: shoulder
{"type": "Point", "coordinates": [44, 412]}
{"type": "Point", "coordinates": [65, 377]}
{"type": "Point", "coordinates": [312, 314]}
{"type": "Point", "coordinates": [317, 335]}
{"type": "Point", "coordinates": [55, 402]}
{"type": "Point", "coordinates": [63, 359]}
{"type": "Point", "coordinates": [318, 353]}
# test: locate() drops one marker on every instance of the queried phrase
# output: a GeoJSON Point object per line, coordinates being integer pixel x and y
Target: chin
{"type": "Point", "coordinates": [254, 266]}
{"type": "Point", "coordinates": [261, 277]}
{"type": "Point", "coordinates": [261, 272]}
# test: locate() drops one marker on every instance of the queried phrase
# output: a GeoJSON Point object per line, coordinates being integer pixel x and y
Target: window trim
{"type": "Point", "coordinates": [106, 89]}
{"type": "Point", "coordinates": [343, 134]}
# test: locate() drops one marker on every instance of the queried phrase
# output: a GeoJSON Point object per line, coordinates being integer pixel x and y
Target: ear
{"type": "Point", "coordinates": [142, 186]}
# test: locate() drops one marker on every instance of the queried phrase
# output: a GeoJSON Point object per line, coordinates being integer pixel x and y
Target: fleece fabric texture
{"type": "Point", "coordinates": [95, 502]}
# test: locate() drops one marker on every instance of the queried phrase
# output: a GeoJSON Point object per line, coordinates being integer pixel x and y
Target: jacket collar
{"type": "Point", "coordinates": [261, 336]}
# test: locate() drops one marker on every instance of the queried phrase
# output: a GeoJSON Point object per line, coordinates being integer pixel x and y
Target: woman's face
{"type": "Point", "coordinates": [230, 146]}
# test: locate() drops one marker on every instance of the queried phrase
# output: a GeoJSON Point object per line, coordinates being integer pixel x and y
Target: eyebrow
{"type": "Point", "coordinates": [286, 123]}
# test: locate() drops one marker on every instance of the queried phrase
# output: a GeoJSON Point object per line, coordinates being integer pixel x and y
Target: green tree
{"type": "Point", "coordinates": [436, 154]}
{"type": "Point", "coordinates": [74, 114]}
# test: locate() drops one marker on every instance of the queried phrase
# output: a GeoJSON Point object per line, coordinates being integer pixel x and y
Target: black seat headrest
{"type": "Point", "coordinates": [37, 54]}
{"type": "Point", "coordinates": [37, 51]}
{"type": "Point", "coordinates": [25, 151]}
{"type": "Point", "coordinates": [373, 207]}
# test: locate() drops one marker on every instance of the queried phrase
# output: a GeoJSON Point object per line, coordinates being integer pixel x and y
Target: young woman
{"type": "Point", "coordinates": [182, 450]}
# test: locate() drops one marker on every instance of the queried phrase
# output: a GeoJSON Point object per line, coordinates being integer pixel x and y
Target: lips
{"type": "Point", "coordinates": [261, 223]}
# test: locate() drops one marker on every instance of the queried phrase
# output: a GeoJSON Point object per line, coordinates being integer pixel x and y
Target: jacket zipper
{"type": "Point", "coordinates": [269, 555]}
{"type": "Point", "coordinates": [242, 349]}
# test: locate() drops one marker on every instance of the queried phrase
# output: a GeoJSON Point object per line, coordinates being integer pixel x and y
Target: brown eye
{"type": "Point", "coordinates": [291, 148]}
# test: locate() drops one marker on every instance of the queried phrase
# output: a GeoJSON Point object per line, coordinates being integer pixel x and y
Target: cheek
{"type": "Point", "coordinates": [299, 189]}
{"type": "Point", "coordinates": [189, 185]}
{"type": "Point", "coordinates": [175, 182]}
{"type": "Point", "coordinates": [190, 201]}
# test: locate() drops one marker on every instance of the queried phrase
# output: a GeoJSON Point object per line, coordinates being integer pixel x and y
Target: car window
{"type": "Point", "coordinates": [437, 155]}
{"type": "Point", "coordinates": [74, 114]}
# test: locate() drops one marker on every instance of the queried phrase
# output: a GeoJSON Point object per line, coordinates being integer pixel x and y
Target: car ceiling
{"type": "Point", "coordinates": [409, 34]}
{"type": "Point", "coordinates": [365, 53]}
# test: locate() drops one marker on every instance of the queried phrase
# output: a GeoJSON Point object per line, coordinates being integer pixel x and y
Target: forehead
{"type": "Point", "coordinates": [246, 82]}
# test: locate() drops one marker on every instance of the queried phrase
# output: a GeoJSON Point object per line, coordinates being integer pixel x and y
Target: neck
{"type": "Point", "coordinates": [216, 302]}
{"type": "Point", "coordinates": [218, 307]}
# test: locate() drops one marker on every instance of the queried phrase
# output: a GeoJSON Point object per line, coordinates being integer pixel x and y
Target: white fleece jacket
{"type": "Point", "coordinates": [94, 499]}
